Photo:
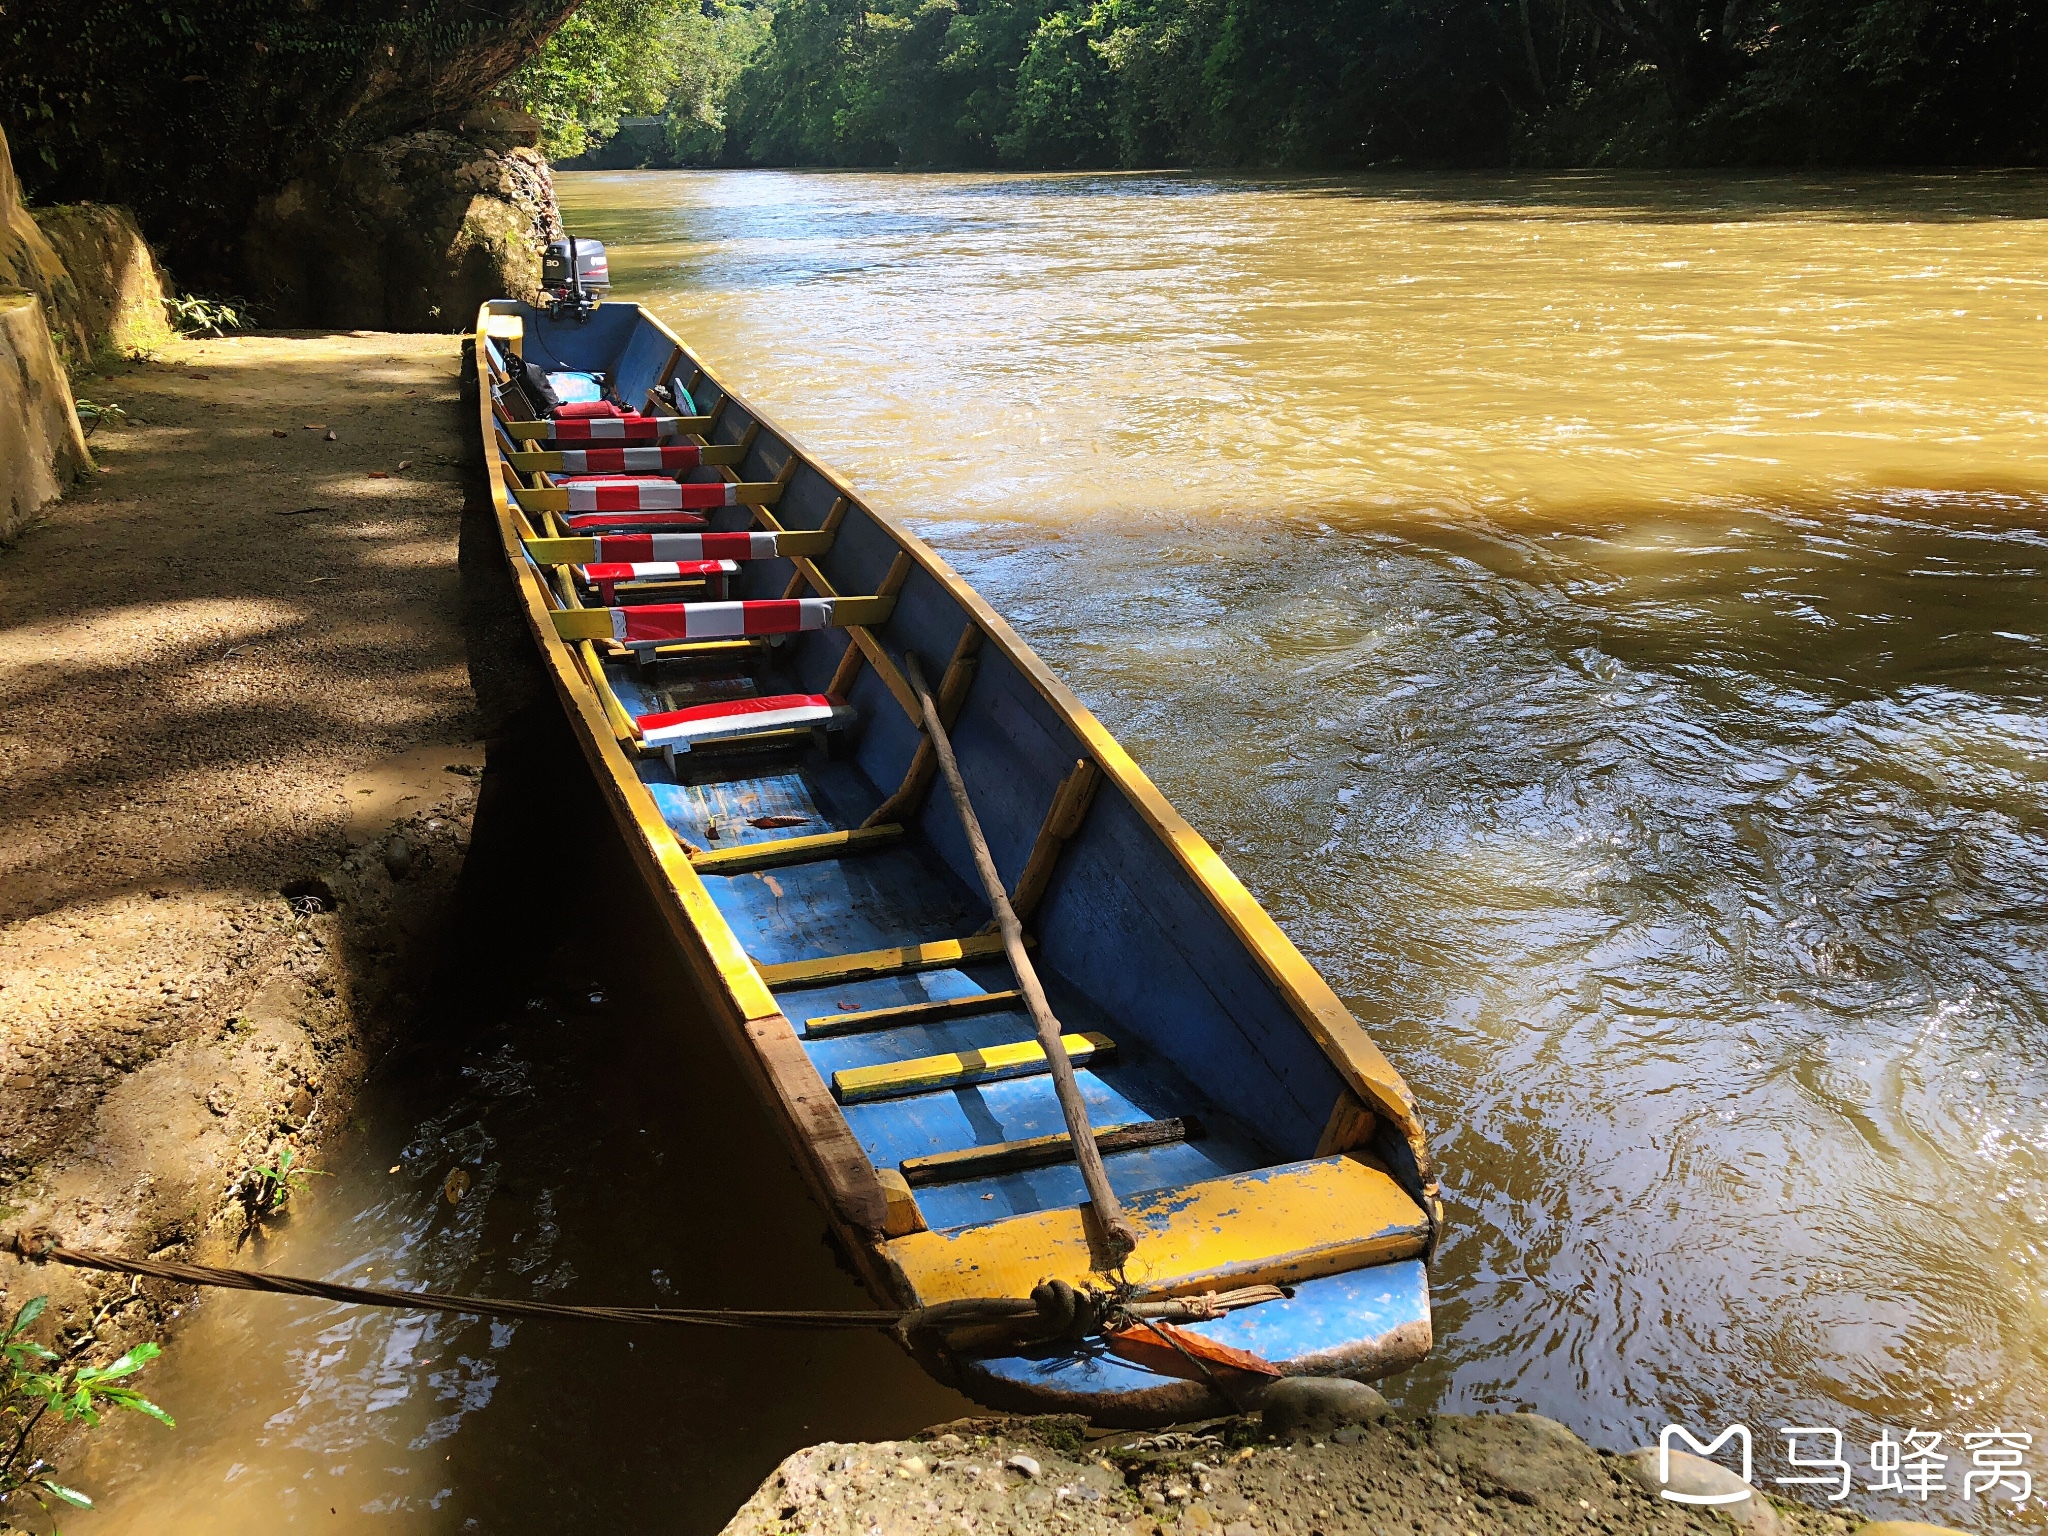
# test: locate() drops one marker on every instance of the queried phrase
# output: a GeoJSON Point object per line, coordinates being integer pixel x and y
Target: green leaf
{"type": "Point", "coordinates": [68, 1495]}
{"type": "Point", "coordinates": [127, 1365]}
{"type": "Point", "coordinates": [135, 1402]}
{"type": "Point", "coordinates": [30, 1311]}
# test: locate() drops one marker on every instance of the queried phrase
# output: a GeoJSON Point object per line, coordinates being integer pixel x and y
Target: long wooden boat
{"type": "Point", "coordinates": [727, 622]}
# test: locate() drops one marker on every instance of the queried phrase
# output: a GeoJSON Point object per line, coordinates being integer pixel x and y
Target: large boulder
{"type": "Point", "coordinates": [409, 234]}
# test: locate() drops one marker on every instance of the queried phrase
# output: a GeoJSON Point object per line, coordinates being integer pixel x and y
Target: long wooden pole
{"type": "Point", "coordinates": [1118, 1234]}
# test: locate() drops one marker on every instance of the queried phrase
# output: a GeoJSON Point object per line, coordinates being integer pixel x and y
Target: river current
{"type": "Point", "coordinates": [1600, 616]}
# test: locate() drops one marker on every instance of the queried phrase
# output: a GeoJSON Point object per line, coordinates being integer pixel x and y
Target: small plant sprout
{"type": "Point", "coordinates": [37, 1388]}
{"type": "Point", "coordinates": [268, 1187]}
{"type": "Point", "coordinates": [206, 317]}
{"type": "Point", "coordinates": [92, 415]}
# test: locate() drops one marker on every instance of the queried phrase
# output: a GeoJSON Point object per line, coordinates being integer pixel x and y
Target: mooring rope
{"type": "Point", "coordinates": [40, 1248]}
{"type": "Point", "coordinates": [1050, 1311]}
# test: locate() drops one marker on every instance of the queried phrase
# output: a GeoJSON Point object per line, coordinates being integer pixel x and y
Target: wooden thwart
{"type": "Point", "coordinates": [583, 550]}
{"type": "Point", "coordinates": [541, 429]}
{"type": "Point", "coordinates": [596, 623]}
{"type": "Point", "coordinates": [1041, 1151]}
{"type": "Point", "coordinates": [960, 1069]}
{"type": "Point", "coordinates": [881, 962]}
{"type": "Point", "coordinates": [793, 850]}
{"type": "Point", "coordinates": [828, 1025]}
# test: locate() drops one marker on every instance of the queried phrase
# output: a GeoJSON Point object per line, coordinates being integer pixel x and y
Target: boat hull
{"type": "Point", "coordinates": [1306, 1165]}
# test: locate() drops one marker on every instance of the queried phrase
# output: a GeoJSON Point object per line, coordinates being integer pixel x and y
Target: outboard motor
{"type": "Point", "coordinates": [576, 276]}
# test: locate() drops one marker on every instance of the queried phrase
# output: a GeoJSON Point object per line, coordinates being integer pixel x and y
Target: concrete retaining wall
{"type": "Point", "coordinates": [41, 447]}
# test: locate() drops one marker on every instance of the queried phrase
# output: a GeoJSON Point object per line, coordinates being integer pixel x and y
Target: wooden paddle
{"type": "Point", "coordinates": [1119, 1236]}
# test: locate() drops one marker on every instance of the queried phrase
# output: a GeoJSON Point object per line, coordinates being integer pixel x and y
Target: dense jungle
{"type": "Point", "coordinates": [1041, 84]}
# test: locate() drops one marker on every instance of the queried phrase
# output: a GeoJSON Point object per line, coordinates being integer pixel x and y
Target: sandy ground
{"type": "Point", "coordinates": [1451, 1475]}
{"type": "Point", "coordinates": [231, 669]}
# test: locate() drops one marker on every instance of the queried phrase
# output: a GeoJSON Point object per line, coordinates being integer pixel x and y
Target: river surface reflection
{"type": "Point", "coordinates": [1600, 616]}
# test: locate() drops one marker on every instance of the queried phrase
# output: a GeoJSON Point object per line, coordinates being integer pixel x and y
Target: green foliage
{"type": "Point", "coordinates": [195, 316]}
{"type": "Point", "coordinates": [673, 59]}
{"type": "Point", "coordinates": [1076, 83]}
{"type": "Point", "coordinates": [37, 1388]}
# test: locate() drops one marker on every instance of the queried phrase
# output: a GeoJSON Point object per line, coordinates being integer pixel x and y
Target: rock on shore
{"type": "Point", "coordinates": [1447, 1475]}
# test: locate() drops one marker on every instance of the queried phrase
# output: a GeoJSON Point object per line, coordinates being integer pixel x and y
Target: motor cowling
{"type": "Point", "coordinates": [575, 274]}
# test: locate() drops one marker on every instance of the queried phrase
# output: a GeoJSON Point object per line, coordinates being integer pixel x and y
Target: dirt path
{"type": "Point", "coordinates": [232, 668]}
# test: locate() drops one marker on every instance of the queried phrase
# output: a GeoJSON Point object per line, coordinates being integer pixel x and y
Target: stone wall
{"type": "Point", "coordinates": [409, 234]}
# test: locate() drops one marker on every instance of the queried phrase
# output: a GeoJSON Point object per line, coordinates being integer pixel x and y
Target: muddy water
{"type": "Point", "coordinates": [1601, 617]}
{"type": "Point", "coordinates": [564, 1067]}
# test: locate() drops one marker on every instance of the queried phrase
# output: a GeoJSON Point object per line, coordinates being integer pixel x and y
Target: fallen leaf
{"type": "Point", "coordinates": [456, 1185]}
{"type": "Point", "coordinates": [301, 511]}
{"type": "Point", "coordinates": [774, 885]}
{"type": "Point", "coordinates": [279, 432]}
{"type": "Point", "coordinates": [393, 1168]}
{"type": "Point", "coordinates": [378, 474]}
{"type": "Point", "coordinates": [764, 822]}
{"type": "Point", "coordinates": [316, 426]}
{"type": "Point", "coordinates": [405, 463]}
{"type": "Point", "coordinates": [844, 1006]}
{"type": "Point", "coordinates": [711, 830]}
{"type": "Point", "coordinates": [330, 437]}
{"type": "Point", "coordinates": [198, 375]}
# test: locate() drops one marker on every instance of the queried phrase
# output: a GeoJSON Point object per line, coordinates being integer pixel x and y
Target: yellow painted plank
{"type": "Point", "coordinates": [883, 962]}
{"type": "Point", "coordinates": [827, 1025]}
{"type": "Point", "coordinates": [583, 623]}
{"type": "Point", "coordinates": [573, 551]}
{"type": "Point", "coordinates": [793, 850]}
{"type": "Point", "coordinates": [1274, 1226]}
{"type": "Point", "coordinates": [960, 1069]}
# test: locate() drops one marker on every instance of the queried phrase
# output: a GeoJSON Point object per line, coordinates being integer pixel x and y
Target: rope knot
{"type": "Point", "coordinates": [31, 1247]}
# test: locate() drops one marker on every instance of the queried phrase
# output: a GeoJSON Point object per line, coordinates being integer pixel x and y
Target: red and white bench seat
{"type": "Point", "coordinates": [685, 546]}
{"type": "Point", "coordinates": [607, 574]}
{"type": "Point", "coordinates": [679, 729]}
{"type": "Point", "coordinates": [653, 624]}
{"type": "Point", "coordinates": [605, 429]}
{"type": "Point", "coordinates": [577, 461]}
{"type": "Point", "coordinates": [652, 494]}
{"type": "Point", "coordinates": [580, 522]}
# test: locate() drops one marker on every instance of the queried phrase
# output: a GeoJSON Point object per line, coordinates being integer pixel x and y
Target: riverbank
{"type": "Point", "coordinates": [1513, 1474]}
{"type": "Point", "coordinates": [238, 755]}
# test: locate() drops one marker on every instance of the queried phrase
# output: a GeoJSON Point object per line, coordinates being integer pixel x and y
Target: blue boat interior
{"type": "Point", "coordinates": [1130, 947]}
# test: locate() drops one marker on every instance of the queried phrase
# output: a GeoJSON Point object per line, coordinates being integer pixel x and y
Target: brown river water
{"type": "Point", "coordinates": [1602, 617]}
